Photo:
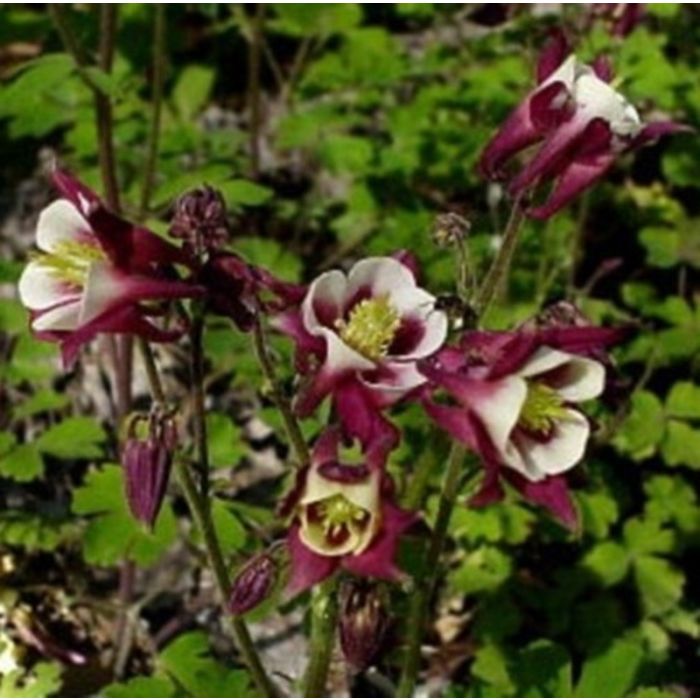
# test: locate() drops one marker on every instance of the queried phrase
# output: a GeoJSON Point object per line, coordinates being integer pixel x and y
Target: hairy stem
{"type": "Point", "coordinates": [422, 594]}
{"type": "Point", "coordinates": [498, 272]}
{"type": "Point", "coordinates": [200, 424]}
{"type": "Point", "coordinates": [201, 514]}
{"type": "Point", "coordinates": [291, 424]}
{"type": "Point", "coordinates": [324, 617]}
{"type": "Point", "coordinates": [159, 29]}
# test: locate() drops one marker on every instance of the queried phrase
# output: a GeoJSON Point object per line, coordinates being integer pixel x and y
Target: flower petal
{"type": "Point", "coordinates": [323, 303]}
{"type": "Point", "coordinates": [61, 221]}
{"type": "Point", "coordinates": [307, 567]}
{"type": "Point", "coordinates": [63, 317]}
{"type": "Point", "coordinates": [39, 288]}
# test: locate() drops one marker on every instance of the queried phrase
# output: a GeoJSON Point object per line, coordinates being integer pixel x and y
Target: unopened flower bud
{"type": "Point", "coordinates": [200, 220]}
{"type": "Point", "coordinates": [252, 584]}
{"type": "Point", "coordinates": [450, 228]}
{"type": "Point", "coordinates": [363, 622]}
{"type": "Point", "coordinates": [147, 460]}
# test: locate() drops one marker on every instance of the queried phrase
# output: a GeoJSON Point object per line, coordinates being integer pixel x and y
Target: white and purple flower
{"type": "Point", "coordinates": [360, 336]}
{"type": "Point", "coordinates": [94, 271]}
{"type": "Point", "coordinates": [515, 401]}
{"type": "Point", "coordinates": [582, 123]}
{"type": "Point", "coordinates": [344, 517]}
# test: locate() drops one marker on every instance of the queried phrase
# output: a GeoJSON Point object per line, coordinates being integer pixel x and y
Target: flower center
{"type": "Point", "coordinates": [336, 514]}
{"type": "Point", "coordinates": [371, 327]}
{"type": "Point", "coordinates": [542, 408]}
{"type": "Point", "coordinates": [71, 260]}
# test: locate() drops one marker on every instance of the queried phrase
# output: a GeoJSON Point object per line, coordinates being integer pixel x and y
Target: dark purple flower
{"type": "Point", "coordinates": [200, 221]}
{"type": "Point", "coordinates": [581, 123]}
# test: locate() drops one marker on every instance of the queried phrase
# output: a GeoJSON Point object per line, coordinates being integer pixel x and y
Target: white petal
{"type": "Point", "coordinates": [340, 357]}
{"type": "Point", "coordinates": [566, 73]}
{"type": "Point", "coordinates": [383, 276]}
{"type": "Point", "coordinates": [598, 99]}
{"type": "Point", "coordinates": [580, 379]}
{"type": "Point", "coordinates": [62, 318]}
{"type": "Point", "coordinates": [327, 289]}
{"type": "Point", "coordinates": [39, 289]}
{"type": "Point", "coordinates": [560, 453]}
{"type": "Point", "coordinates": [364, 494]}
{"type": "Point", "coordinates": [406, 378]}
{"type": "Point", "coordinates": [435, 332]}
{"type": "Point", "coordinates": [60, 221]}
{"type": "Point", "coordinates": [103, 288]}
{"type": "Point", "coordinates": [498, 406]}
{"type": "Point", "coordinates": [543, 360]}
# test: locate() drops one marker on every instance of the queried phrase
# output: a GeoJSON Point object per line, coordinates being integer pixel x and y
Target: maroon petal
{"type": "Point", "coordinates": [551, 493]}
{"type": "Point", "coordinates": [456, 421]}
{"type": "Point", "coordinates": [655, 130]}
{"type": "Point", "coordinates": [490, 491]}
{"type": "Point", "coordinates": [378, 559]}
{"type": "Point", "coordinates": [554, 53]}
{"type": "Point", "coordinates": [603, 69]}
{"type": "Point", "coordinates": [307, 568]}
{"type": "Point", "coordinates": [80, 195]}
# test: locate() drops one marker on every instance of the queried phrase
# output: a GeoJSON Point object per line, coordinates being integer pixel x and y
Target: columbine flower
{"type": "Point", "coordinates": [146, 460]}
{"type": "Point", "coordinates": [343, 517]}
{"type": "Point", "coordinates": [200, 220]}
{"type": "Point", "coordinates": [94, 271]}
{"type": "Point", "coordinates": [582, 123]}
{"type": "Point", "coordinates": [360, 335]}
{"type": "Point", "coordinates": [621, 17]}
{"type": "Point", "coordinates": [517, 404]}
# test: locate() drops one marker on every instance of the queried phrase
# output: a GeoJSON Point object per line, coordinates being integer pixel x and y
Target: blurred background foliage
{"type": "Point", "coordinates": [362, 123]}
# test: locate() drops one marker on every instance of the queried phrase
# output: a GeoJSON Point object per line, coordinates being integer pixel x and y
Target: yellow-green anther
{"type": "Point", "coordinates": [371, 327]}
{"type": "Point", "coordinates": [337, 511]}
{"type": "Point", "coordinates": [70, 261]}
{"type": "Point", "coordinates": [543, 406]}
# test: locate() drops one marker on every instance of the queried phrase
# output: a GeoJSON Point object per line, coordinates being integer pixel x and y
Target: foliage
{"type": "Point", "coordinates": [373, 120]}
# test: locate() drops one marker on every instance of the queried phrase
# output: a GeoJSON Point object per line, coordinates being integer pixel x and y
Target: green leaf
{"type": "Point", "coordinates": [188, 661]}
{"type": "Point", "coordinates": [213, 174]}
{"type": "Point", "coordinates": [322, 19]}
{"type": "Point", "coordinates": [662, 245]}
{"type": "Point", "coordinates": [643, 429]}
{"type": "Point", "coordinates": [681, 445]}
{"type": "Point", "coordinates": [244, 193]}
{"type": "Point", "coordinates": [226, 444]}
{"type": "Point", "coordinates": [33, 532]}
{"type": "Point", "coordinates": [645, 536]}
{"type": "Point", "coordinates": [491, 666]}
{"type": "Point", "coordinates": [44, 400]}
{"type": "Point", "coordinates": [41, 681]}
{"type": "Point", "coordinates": [542, 669]}
{"type": "Point", "coordinates": [77, 437]}
{"type": "Point", "coordinates": [270, 254]}
{"type": "Point", "coordinates": [660, 584]}
{"type": "Point", "coordinates": [229, 529]}
{"type": "Point", "coordinates": [140, 687]}
{"type": "Point", "coordinates": [683, 400]}
{"type": "Point", "coordinates": [13, 316]}
{"type": "Point", "coordinates": [611, 673]}
{"type": "Point", "coordinates": [484, 569]}
{"type": "Point", "coordinates": [112, 532]}
{"type": "Point", "coordinates": [608, 562]}
{"type": "Point", "coordinates": [23, 463]}
{"type": "Point", "coordinates": [192, 90]}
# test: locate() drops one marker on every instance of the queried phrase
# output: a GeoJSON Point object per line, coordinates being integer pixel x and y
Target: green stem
{"type": "Point", "coordinates": [422, 594]}
{"type": "Point", "coordinates": [254, 104]}
{"type": "Point", "coordinates": [200, 424]}
{"type": "Point", "coordinates": [201, 515]}
{"type": "Point", "coordinates": [291, 424]}
{"type": "Point", "coordinates": [501, 265]}
{"type": "Point", "coordinates": [202, 518]}
{"type": "Point", "coordinates": [159, 29]}
{"type": "Point", "coordinates": [324, 617]}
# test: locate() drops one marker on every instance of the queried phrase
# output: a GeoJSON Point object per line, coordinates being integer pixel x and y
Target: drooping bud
{"type": "Point", "coordinates": [147, 459]}
{"type": "Point", "coordinates": [363, 622]}
{"type": "Point", "coordinates": [200, 220]}
{"type": "Point", "coordinates": [253, 583]}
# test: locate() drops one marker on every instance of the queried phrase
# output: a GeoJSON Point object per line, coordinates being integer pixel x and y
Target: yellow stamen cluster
{"type": "Point", "coordinates": [71, 260]}
{"type": "Point", "coordinates": [542, 408]}
{"type": "Point", "coordinates": [371, 327]}
{"type": "Point", "coordinates": [337, 513]}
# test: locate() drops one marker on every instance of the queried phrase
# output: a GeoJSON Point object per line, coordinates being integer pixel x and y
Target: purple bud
{"type": "Point", "coordinates": [252, 584]}
{"type": "Point", "coordinates": [200, 220]}
{"type": "Point", "coordinates": [146, 462]}
{"type": "Point", "coordinates": [363, 622]}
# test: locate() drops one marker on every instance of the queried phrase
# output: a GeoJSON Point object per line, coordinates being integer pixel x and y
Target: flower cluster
{"type": "Point", "coordinates": [367, 340]}
{"type": "Point", "coordinates": [581, 123]}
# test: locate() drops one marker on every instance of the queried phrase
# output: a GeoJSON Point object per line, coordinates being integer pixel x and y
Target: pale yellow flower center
{"type": "Point", "coordinates": [71, 261]}
{"type": "Point", "coordinates": [543, 407]}
{"type": "Point", "coordinates": [371, 327]}
{"type": "Point", "coordinates": [337, 513]}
